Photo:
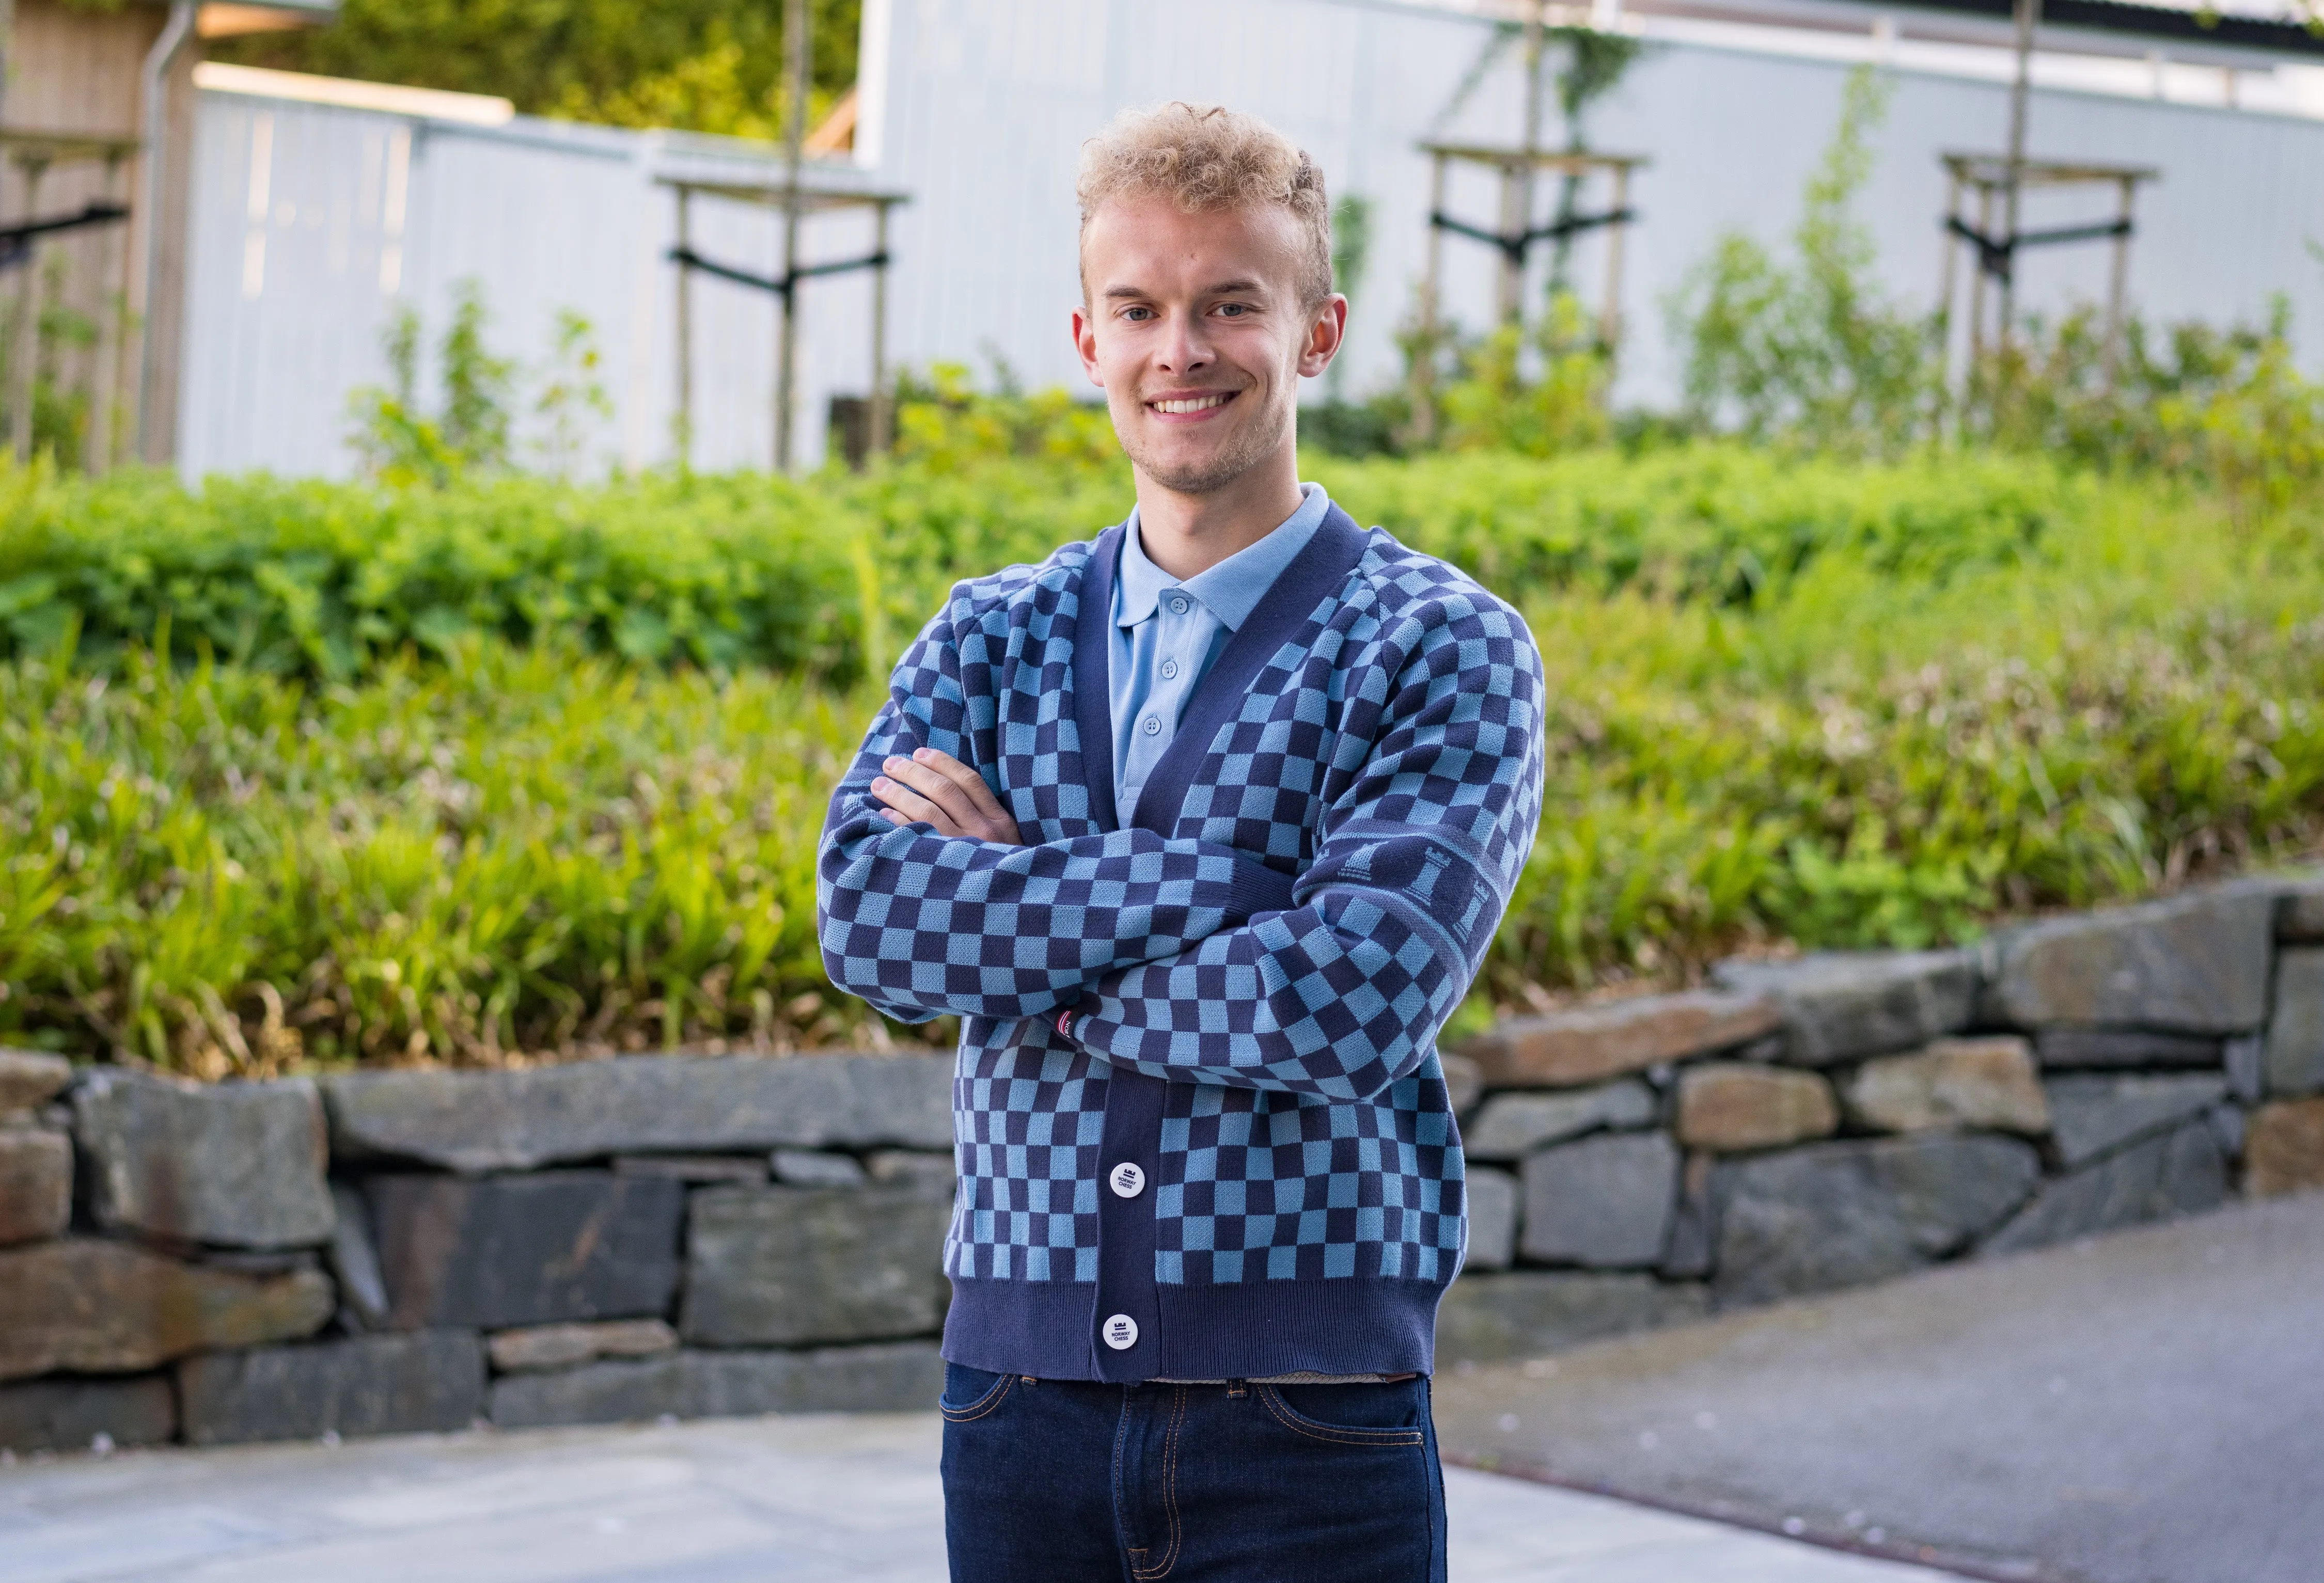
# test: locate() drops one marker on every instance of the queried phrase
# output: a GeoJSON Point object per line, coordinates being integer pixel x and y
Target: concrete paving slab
{"type": "Point", "coordinates": [2146, 1407]}
{"type": "Point", "coordinates": [771, 1500]}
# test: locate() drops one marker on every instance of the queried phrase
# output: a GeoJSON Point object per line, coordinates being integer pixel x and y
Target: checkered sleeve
{"type": "Point", "coordinates": [1433, 795]}
{"type": "Point", "coordinates": [919, 923]}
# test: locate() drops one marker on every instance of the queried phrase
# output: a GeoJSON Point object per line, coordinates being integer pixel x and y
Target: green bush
{"type": "Point", "coordinates": [326, 579]}
{"type": "Point", "coordinates": [1830, 702]}
{"type": "Point", "coordinates": [218, 871]}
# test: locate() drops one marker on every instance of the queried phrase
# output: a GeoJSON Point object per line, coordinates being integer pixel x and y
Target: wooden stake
{"type": "Point", "coordinates": [795, 42]}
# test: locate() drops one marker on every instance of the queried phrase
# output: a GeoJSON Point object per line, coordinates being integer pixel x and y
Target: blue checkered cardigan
{"type": "Point", "coordinates": [1249, 970]}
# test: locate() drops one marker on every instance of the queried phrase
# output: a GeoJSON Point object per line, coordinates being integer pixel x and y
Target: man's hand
{"type": "Point", "coordinates": [938, 789]}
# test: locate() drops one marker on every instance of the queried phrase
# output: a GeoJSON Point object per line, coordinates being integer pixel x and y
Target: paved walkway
{"type": "Point", "coordinates": [2143, 1408]}
{"type": "Point", "coordinates": [773, 1500]}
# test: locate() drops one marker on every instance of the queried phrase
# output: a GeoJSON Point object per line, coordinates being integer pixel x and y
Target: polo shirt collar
{"type": "Point", "coordinates": [1230, 590]}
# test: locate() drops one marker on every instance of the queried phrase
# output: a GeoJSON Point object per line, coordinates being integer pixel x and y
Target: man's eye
{"type": "Point", "coordinates": [1234, 309]}
{"type": "Point", "coordinates": [1136, 314]}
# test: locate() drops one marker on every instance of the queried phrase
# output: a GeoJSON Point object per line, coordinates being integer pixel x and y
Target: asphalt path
{"type": "Point", "coordinates": [2141, 1408]}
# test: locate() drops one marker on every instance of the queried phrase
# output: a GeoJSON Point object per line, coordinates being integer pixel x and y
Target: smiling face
{"type": "Point", "coordinates": [1194, 324]}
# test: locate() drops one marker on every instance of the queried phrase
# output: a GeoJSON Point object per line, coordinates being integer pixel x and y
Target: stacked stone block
{"type": "Point", "coordinates": [1840, 1117]}
{"type": "Point", "coordinates": [407, 1251]}
{"type": "Point", "coordinates": [658, 1236]}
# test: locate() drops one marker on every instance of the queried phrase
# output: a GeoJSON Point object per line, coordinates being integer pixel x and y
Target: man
{"type": "Point", "coordinates": [1202, 828]}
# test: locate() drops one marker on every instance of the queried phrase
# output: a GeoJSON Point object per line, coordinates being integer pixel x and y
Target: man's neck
{"type": "Point", "coordinates": [1187, 535]}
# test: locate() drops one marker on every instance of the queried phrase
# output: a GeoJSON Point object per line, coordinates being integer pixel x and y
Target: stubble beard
{"type": "Point", "coordinates": [1256, 442]}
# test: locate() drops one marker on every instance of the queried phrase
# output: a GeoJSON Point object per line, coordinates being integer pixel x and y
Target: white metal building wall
{"type": "Point", "coordinates": [312, 222]}
{"type": "Point", "coordinates": [985, 103]}
{"type": "Point", "coordinates": [977, 109]}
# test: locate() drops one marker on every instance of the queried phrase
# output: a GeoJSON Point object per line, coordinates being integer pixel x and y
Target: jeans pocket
{"type": "Point", "coordinates": [972, 1393]}
{"type": "Point", "coordinates": [1279, 1408]}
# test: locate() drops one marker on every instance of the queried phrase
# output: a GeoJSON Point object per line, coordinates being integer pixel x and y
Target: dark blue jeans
{"type": "Point", "coordinates": [1061, 1481]}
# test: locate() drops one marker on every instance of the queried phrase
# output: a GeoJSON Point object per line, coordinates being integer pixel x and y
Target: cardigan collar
{"type": "Point", "coordinates": [1318, 570]}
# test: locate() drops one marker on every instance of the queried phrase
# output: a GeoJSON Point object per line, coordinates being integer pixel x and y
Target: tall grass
{"type": "Point", "coordinates": [1805, 702]}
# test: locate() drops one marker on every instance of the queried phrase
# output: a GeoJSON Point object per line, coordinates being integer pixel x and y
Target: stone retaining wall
{"type": "Point", "coordinates": [379, 1252]}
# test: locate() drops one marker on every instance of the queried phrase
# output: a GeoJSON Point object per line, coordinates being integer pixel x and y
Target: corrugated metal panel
{"type": "Point", "coordinates": [313, 221]}
{"type": "Point", "coordinates": [986, 106]}
{"type": "Point", "coordinates": [987, 137]}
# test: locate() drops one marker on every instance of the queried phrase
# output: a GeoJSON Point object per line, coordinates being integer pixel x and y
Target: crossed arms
{"type": "Point", "coordinates": [1184, 958]}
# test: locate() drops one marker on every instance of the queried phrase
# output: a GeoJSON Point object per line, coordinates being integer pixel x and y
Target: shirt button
{"type": "Point", "coordinates": [1126, 1180]}
{"type": "Point", "coordinates": [1153, 724]}
{"type": "Point", "coordinates": [1178, 606]}
{"type": "Point", "coordinates": [1120, 1332]}
{"type": "Point", "coordinates": [1169, 670]}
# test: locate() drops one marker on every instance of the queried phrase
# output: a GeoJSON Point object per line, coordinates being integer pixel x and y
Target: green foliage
{"type": "Point", "coordinates": [1499, 405]}
{"type": "Point", "coordinates": [698, 65]}
{"type": "Point", "coordinates": [943, 423]}
{"type": "Point", "coordinates": [1869, 759]}
{"type": "Point", "coordinates": [1713, 524]}
{"type": "Point", "coordinates": [524, 765]}
{"type": "Point", "coordinates": [572, 399]}
{"type": "Point", "coordinates": [2227, 406]}
{"type": "Point", "coordinates": [328, 580]}
{"type": "Point", "coordinates": [54, 335]}
{"type": "Point", "coordinates": [1594, 66]}
{"type": "Point", "coordinates": [221, 872]}
{"type": "Point", "coordinates": [402, 447]}
{"type": "Point", "coordinates": [1811, 351]}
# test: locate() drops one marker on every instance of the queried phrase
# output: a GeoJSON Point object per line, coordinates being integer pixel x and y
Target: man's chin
{"type": "Point", "coordinates": [1183, 470]}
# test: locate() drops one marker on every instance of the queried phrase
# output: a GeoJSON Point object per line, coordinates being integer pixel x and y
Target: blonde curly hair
{"type": "Point", "coordinates": [1209, 157]}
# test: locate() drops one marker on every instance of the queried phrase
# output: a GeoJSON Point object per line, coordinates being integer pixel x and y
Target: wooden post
{"type": "Point", "coordinates": [1516, 177]}
{"type": "Point", "coordinates": [1423, 359]}
{"type": "Point", "coordinates": [1610, 326]}
{"type": "Point", "coordinates": [153, 123]}
{"type": "Point", "coordinates": [2028, 12]}
{"type": "Point", "coordinates": [104, 366]}
{"type": "Point", "coordinates": [685, 435]}
{"type": "Point", "coordinates": [877, 420]}
{"type": "Point", "coordinates": [1945, 280]}
{"type": "Point", "coordinates": [24, 345]}
{"type": "Point", "coordinates": [1977, 285]}
{"type": "Point", "coordinates": [2120, 280]}
{"type": "Point", "coordinates": [795, 46]}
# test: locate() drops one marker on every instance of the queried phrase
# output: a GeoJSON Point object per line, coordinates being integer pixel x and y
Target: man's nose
{"type": "Point", "coordinates": [1184, 348]}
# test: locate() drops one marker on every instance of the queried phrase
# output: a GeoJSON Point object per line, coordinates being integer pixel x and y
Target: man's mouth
{"type": "Point", "coordinates": [1184, 404]}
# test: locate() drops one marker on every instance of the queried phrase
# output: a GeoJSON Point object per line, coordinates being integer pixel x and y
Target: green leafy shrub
{"type": "Point", "coordinates": [326, 579]}
{"type": "Point", "coordinates": [1832, 703]}
{"type": "Point", "coordinates": [1812, 350]}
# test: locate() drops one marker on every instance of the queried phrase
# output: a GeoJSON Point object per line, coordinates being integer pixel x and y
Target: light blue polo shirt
{"type": "Point", "coordinates": [1166, 633]}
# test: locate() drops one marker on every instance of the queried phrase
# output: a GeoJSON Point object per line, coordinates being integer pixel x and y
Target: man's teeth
{"type": "Point", "coordinates": [1198, 404]}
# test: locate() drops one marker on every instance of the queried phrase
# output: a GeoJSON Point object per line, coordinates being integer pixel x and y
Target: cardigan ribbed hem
{"type": "Point", "coordinates": [1251, 1330]}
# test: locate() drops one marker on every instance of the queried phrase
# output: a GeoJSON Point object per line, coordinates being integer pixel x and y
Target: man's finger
{"type": "Point", "coordinates": [937, 789]}
{"type": "Point", "coordinates": [912, 805]}
{"type": "Point", "coordinates": [962, 777]}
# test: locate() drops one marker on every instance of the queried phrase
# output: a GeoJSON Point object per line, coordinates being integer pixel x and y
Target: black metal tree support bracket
{"type": "Point", "coordinates": [1515, 248]}
{"type": "Point", "coordinates": [16, 240]}
{"type": "Point", "coordinates": [1997, 256]}
{"type": "Point", "coordinates": [782, 286]}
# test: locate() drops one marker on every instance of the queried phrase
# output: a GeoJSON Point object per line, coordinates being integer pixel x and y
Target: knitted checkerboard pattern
{"type": "Point", "coordinates": [1387, 760]}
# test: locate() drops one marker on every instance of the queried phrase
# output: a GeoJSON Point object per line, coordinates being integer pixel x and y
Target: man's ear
{"type": "Point", "coordinates": [1085, 345]}
{"type": "Point", "coordinates": [1325, 333]}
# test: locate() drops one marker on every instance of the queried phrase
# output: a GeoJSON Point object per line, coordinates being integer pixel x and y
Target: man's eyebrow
{"type": "Point", "coordinates": [1223, 289]}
